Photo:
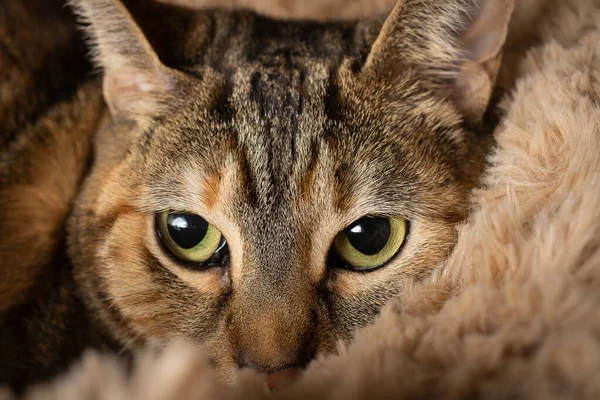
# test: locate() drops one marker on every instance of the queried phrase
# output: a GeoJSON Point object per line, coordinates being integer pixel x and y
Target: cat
{"type": "Point", "coordinates": [260, 187]}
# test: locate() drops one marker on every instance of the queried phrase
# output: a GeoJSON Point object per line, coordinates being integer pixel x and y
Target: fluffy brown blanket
{"type": "Point", "coordinates": [515, 310]}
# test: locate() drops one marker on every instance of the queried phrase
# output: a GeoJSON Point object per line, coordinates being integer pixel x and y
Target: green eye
{"type": "Point", "coordinates": [370, 241]}
{"type": "Point", "coordinates": [188, 236]}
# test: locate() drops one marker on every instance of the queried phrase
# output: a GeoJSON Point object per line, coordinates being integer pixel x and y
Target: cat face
{"type": "Point", "coordinates": [270, 192]}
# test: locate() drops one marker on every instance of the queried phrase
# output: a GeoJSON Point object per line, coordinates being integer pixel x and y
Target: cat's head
{"type": "Point", "coordinates": [274, 185]}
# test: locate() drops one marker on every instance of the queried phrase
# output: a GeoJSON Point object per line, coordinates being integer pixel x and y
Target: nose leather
{"type": "Point", "coordinates": [273, 340]}
{"type": "Point", "coordinates": [282, 377]}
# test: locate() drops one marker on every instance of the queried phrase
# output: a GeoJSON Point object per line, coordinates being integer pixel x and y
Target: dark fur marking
{"type": "Point", "coordinates": [222, 106]}
{"type": "Point", "coordinates": [247, 183]}
{"type": "Point", "coordinates": [331, 101]}
{"type": "Point", "coordinates": [343, 188]}
{"type": "Point", "coordinates": [311, 169]}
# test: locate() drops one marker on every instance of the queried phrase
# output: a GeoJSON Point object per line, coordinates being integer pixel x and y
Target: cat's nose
{"type": "Point", "coordinates": [281, 373]}
{"type": "Point", "coordinates": [275, 333]}
{"type": "Point", "coordinates": [278, 377]}
{"type": "Point", "coordinates": [282, 377]}
{"type": "Point", "coordinates": [274, 345]}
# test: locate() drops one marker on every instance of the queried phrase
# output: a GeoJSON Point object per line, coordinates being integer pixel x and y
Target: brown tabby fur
{"type": "Point", "coordinates": [278, 133]}
{"type": "Point", "coordinates": [29, 85]}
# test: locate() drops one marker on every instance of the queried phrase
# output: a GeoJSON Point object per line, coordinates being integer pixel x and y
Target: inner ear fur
{"type": "Point", "coordinates": [454, 45]}
{"type": "Point", "coordinates": [137, 85]}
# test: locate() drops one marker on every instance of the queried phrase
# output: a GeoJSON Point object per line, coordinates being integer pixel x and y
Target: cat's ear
{"type": "Point", "coordinates": [454, 45]}
{"type": "Point", "coordinates": [137, 86]}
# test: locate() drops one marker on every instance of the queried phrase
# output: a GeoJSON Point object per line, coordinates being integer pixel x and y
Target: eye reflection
{"type": "Point", "coordinates": [369, 235]}
{"type": "Point", "coordinates": [178, 221]}
{"type": "Point", "coordinates": [356, 229]}
{"type": "Point", "coordinates": [370, 242]}
{"type": "Point", "coordinates": [187, 230]}
{"type": "Point", "coordinates": [189, 237]}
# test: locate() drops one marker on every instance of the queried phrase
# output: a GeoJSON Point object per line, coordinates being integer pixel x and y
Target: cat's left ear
{"type": "Point", "coordinates": [454, 45]}
{"type": "Point", "coordinates": [137, 85]}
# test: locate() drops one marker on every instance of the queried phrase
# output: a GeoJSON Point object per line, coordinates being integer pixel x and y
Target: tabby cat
{"type": "Point", "coordinates": [261, 187]}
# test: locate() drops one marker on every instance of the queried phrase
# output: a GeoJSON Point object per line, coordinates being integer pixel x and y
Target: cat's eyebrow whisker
{"type": "Point", "coordinates": [188, 194]}
{"type": "Point", "coordinates": [130, 345]}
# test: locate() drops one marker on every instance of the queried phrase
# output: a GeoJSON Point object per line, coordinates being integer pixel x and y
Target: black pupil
{"type": "Point", "coordinates": [369, 235]}
{"type": "Point", "coordinates": [186, 230]}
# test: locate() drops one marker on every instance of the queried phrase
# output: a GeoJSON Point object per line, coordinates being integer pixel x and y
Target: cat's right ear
{"type": "Point", "coordinates": [137, 86]}
{"type": "Point", "coordinates": [454, 46]}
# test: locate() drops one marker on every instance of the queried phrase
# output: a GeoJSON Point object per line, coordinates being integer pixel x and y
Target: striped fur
{"type": "Point", "coordinates": [280, 134]}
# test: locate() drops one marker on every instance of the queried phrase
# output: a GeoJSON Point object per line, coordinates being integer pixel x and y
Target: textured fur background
{"type": "Point", "coordinates": [515, 311]}
{"type": "Point", "coordinates": [300, 9]}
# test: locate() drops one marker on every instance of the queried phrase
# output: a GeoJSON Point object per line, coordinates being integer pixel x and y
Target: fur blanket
{"type": "Point", "coordinates": [515, 310]}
